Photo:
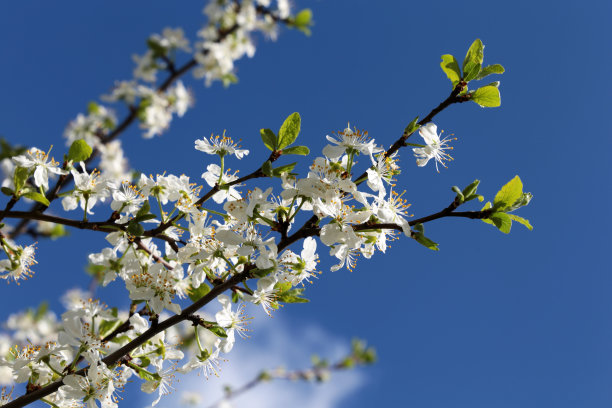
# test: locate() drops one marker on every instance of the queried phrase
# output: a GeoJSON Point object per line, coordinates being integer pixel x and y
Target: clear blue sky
{"type": "Point", "coordinates": [489, 321]}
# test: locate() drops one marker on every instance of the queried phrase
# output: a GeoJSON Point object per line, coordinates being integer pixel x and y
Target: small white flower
{"type": "Point", "coordinates": [220, 145]}
{"type": "Point", "coordinates": [435, 149]}
{"type": "Point", "coordinates": [265, 295]}
{"type": "Point", "coordinates": [211, 176]}
{"type": "Point", "coordinates": [37, 159]}
{"type": "Point", "coordinates": [350, 141]}
{"type": "Point", "coordinates": [18, 266]}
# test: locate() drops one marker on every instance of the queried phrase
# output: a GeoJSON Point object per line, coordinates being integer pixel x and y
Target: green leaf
{"type": "Point", "coordinates": [145, 375]}
{"type": "Point", "coordinates": [41, 311]}
{"type": "Point", "coordinates": [196, 294]}
{"type": "Point", "coordinates": [521, 220]}
{"type": "Point", "coordinates": [145, 209]}
{"type": "Point", "coordinates": [412, 126]}
{"type": "Point", "coordinates": [287, 168]}
{"type": "Point", "coordinates": [487, 96]}
{"type": "Point", "coordinates": [7, 191]}
{"type": "Point", "coordinates": [289, 130]}
{"type": "Point", "coordinates": [303, 20]}
{"type": "Point", "coordinates": [218, 331]}
{"type": "Point", "coordinates": [36, 196]}
{"type": "Point", "coordinates": [135, 229]}
{"type": "Point", "coordinates": [107, 326]}
{"type": "Point", "coordinates": [229, 79]}
{"type": "Point", "coordinates": [473, 60]}
{"type": "Point", "coordinates": [459, 193]}
{"type": "Point", "coordinates": [156, 47]}
{"type": "Point", "coordinates": [490, 69]}
{"type": "Point", "coordinates": [292, 296]}
{"type": "Point", "coordinates": [509, 194]}
{"type": "Point", "coordinates": [426, 242]}
{"type": "Point", "coordinates": [502, 221]}
{"type": "Point", "coordinates": [20, 177]}
{"type": "Point", "coordinates": [471, 189]}
{"type": "Point", "coordinates": [145, 361]}
{"type": "Point", "coordinates": [450, 66]}
{"type": "Point", "coordinates": [473, 196]}
{"type": "Point", "coordinates": [269, 139]}
{"type": "Point", "coordinates": [79, 151]}
{"type": "Point", "coordinates": [267, 168]}
{"type": "Point", "coordinates": [145, 217]}
{"type": "Point", "coordinates": [282, 286]}
{"type": "Point", "coordinates": [93, 108]}
{"type": "Point", "coordinates": [300, 150]}
{"type": "Point", "coordinates": [521, 202]}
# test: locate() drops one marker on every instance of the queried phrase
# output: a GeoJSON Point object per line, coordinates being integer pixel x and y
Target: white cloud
{"type": "Point", "coordinates": [276, 343]}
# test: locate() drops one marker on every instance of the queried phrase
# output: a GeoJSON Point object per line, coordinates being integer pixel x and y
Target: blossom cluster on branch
{"type": "Point", "coordinates": [178, 244]}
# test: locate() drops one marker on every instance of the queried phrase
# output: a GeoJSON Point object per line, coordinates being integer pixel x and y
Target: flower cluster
{"type": "Point", "coordinates": [221, 243]}
{"type": "Point", "coordinates": [170, 238]}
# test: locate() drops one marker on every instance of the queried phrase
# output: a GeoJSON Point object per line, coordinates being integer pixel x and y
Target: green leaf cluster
{"type": "Point", "coordinates": [509, 198]}
{"type": "Point", "coordinates": [468, 193]}
{"type": "Point", "coordinates": [472, 69]}
{"type": "Point", "coordinates": [286, 294]}
{"type": "Point", "coordinates": [22, 189]}
{"type": "Point", "coordinates": [287, 134]}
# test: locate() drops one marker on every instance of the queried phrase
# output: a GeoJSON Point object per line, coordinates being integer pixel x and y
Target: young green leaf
{"type": "Point", "coordinates": [93, 108]}
{"type": "Point", "coordinates": [508, 195]}
{"type": "Point", "coordinates": [292, 296]}
{"type": "Point", "coordinates": [145, 209]}
{"type": "Point", "coordinates": [471, 189]}
{"type": "Point", "coordinates": [521, 202]}
{"type": "Point", "coordinates": [303, 20]}
{"type": "Point", "coordinates": [473, 60]}
{"type": "Point", "coordinates": [426, 242]}
{"type": "Point", "coordinates": [287, 168]}
{"type": "Point", "coordinates": [487, 96]}
{"type": "Point", "coordinates": [196, 294]}
{"type": "Point", "coordinates": [144, 217]}
{"type": "Point", "coordinates": [289, 130]}
{"type": "Point", "coordinates": [521, 220]}
{"type": "Point", "coordinates": [490, 69]}
{"type": "Point", "coordinates": [36, 196]}
{"type": "Point", "coordinates": [450, 66]}
{"type": "Point", "coordinates": [79, 151]}
{"type": "Point", "coordinates": [269, 139]}
{"type": "Point", "coordinates": [135, 229]}
{"type": "Point", "coordinates": [7, 191]}
{"type": "Point", "coordinates": [107, 326]}
{"type": "Point", "coordinates": [266, 168]}
{"type": "Point", "coordinates": [459, 193]}
{"type": "Point", "coordinates": [218, 331]}
{"type": "Point", "coordinates": [412, 126]}
{"type": "Point", "coordinates": [20, 177]}
{"type": "Point", "coordinates": [300, 150]}
{"type": "Point", "coordinates": [502, 221]}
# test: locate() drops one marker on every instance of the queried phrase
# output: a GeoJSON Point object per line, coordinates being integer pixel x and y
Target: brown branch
{"type": "Point", "coordinates": [107, 226]}
{"type": "Point", "coordinates": [157, 258]}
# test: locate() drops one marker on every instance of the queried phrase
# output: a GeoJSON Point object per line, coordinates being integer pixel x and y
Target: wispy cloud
{"type": "Point", "coordinates": [276, 342]}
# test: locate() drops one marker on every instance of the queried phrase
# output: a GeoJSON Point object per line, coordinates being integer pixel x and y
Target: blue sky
{"type": "Point", "coordinates": [490, 320]}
